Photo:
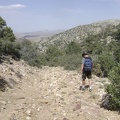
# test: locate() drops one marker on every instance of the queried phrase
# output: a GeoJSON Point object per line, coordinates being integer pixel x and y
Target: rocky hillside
{"type": "Point", "coordinates": [79, 33]}
{"type": "Point", "coordinates": [49, 93]}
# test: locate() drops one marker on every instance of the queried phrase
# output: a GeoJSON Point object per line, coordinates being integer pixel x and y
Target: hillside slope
{"type": "Point", "coordinates": [81, 32]}
{"type": "Point", "coordinates": [50, 93]}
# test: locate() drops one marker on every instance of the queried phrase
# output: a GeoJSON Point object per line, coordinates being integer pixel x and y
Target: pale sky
{"type": "Point", "coordinates": [36, 15]}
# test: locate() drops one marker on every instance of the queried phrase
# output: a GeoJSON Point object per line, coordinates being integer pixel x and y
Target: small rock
{"type": "Point", "coordinates": [3, 102]}
{"type": "Point", "coordinates": [77, 106]}
{"type": "Point", "coordinates": [20, 74]}
{"type": "Point", "coordinates": [105, 101]}
{"type": "Point", "coordinates": [65, 118]}
{"type": "Point", "coordinates": [28, 118]}
{"type": "Point", "coordinates": [28, 112]}
{"type": "Point", "coordinates": [13, 117]}
{"type": "Point", "coordinates": [10, 62]}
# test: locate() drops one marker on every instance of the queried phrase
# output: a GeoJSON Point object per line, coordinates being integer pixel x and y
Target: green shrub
{"type": "Point", "coordinates": [106, 61]}
{"type": "Point", "coordinates": [53, 52]}
{"type": "Point", "coordinates": [73, 48]}
{"type": "Point", "coordinates": [97, 69]}
{"type": "Point", "coordinates": [7, 40]}
{"type": "Point", "coordinates": [10, 48]}
{"type": "Point", "coordinates": [30, 53]}
{"type": "Point", "coordinates": [70, 58]}
{"type": "Point", "coordinates": [113, 89]}
{"type": "Point", "coordinates": [71, 62]}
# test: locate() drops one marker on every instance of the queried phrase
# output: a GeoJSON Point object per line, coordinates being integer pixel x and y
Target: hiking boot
{"type": "Point", "coordinates": [90, 89]}
{"type": "Point", "coordinates": [83, 89]}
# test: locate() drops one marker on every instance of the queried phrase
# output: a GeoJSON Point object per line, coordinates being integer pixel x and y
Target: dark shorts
{"type": "Point", "coordinates": [87, 74]}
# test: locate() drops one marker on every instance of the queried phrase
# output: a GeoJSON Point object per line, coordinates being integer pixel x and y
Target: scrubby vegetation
{"type": "Point", "coordinates": [105, 55]}
{"type": "Point", "coordinates": [7, 41]}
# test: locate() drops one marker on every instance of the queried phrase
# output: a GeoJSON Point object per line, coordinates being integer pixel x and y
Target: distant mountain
{"type": "Point", "coordinates": [79, 33]}
{"type": "Point", "coordinates": [37, 35]}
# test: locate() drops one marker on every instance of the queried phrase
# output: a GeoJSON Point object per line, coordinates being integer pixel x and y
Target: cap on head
{"type": "Point", "coordinates": [84, 53]}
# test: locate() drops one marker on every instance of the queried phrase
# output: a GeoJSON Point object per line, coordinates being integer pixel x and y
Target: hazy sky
{"type": "Point", "coordinates": [35, 15]}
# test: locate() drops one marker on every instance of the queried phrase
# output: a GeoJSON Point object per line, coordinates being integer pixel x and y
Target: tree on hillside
{"type": "Point", "coordinates": [53, 52]}
{"type": "Point", "coordinates": [7, 40]}
{"type": "Point", "coordinates": [6, 32]}
{"type": "Point", "coordinates": [30, 52]}
{"type": "Point", "coordinates": [107, 61]}
{"type": "Point", "coordinates": [73, 48]}
{"type": "Point", "coordinates": [2, 23]}
{"type": "Point", "coordinates": [116, 34]}
{"type": "Point", "coordinates": [92, 44]}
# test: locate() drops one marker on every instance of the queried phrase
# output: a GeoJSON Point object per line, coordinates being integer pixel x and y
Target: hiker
{"type": "Point", "coordinates": [86, 70]}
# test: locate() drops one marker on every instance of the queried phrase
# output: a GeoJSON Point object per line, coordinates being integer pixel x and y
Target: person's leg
{"type": "Point", "coordinates": [90, 80]}
{"type": "Point", "coordinates": [90, 83]}
{"type": "Point", "coordinates": [83, 80]}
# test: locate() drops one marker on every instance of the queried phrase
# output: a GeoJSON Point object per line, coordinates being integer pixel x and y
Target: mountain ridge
{"type": "Point", "coordinates": [79, 33]}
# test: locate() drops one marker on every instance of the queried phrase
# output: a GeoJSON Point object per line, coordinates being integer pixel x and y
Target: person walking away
{"type": "Point", "coordinates": [86, 70]}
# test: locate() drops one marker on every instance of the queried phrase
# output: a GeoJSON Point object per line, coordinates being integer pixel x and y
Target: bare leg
{"type": "Point", "coordinates": [83, 82]}
{"type": "Point", "coordinates": [90, 84]}
{"type": "Point", "coordinates": [83, 85]}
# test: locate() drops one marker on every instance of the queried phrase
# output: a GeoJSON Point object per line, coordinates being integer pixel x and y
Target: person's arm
{"type": "Point", "coordinates": [81, 69]}
{"type": "Point", "coordinates": [82, 66]}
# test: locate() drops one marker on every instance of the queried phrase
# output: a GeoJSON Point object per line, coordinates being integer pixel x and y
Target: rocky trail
{"type": "Point", "coordinates": [49, 93]}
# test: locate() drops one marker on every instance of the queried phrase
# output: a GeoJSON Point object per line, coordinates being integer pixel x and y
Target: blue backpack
{"type": "Point", "coordinates": [88, 64]}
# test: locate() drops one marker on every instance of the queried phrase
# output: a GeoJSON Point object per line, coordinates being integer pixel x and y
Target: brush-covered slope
{"type": "Point", "coordinates": [79, 33]}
